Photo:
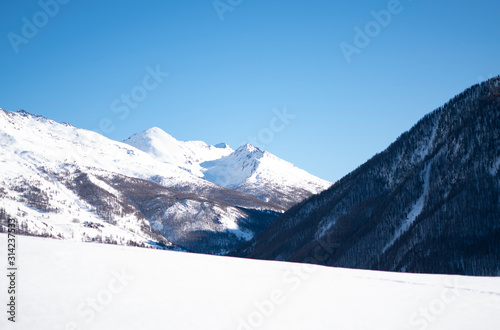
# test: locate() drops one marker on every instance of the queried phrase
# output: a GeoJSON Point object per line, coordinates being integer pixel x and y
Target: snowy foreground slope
{"type": "Point", "coordinates": [74, 285]}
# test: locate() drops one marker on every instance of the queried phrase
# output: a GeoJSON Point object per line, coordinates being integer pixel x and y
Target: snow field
{"type": "Point", "coordinates": [74, 285]}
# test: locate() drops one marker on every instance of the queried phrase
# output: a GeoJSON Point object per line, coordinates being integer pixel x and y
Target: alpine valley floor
{"type": "Point", "coordinates": [70, 285]}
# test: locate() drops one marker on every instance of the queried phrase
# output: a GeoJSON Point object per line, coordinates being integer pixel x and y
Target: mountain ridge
{"type": "Point", "coordinates": [428, 203]}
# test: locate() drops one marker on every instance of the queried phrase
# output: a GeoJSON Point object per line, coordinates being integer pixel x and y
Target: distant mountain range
{"type": "Point", "coordinates": [248, 169]}
{"type": "Point", "coordinates": [152, 190]}
{"type": "Point", "coordinates": [429, 203]}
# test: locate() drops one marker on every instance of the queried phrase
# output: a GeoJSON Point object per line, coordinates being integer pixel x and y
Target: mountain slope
{"type": "Point", "coordinates": [429, 203]}
{"type": "Point", "coordinates": [248, 169]}
{"type": "Point", "coordinates": [71, 183]}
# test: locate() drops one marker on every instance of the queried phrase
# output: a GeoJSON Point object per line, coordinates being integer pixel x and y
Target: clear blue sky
{"type": "Point", "coordinates": [226, 76]}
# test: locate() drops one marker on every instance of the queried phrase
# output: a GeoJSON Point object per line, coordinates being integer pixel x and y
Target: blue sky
{"type": "Point", "coordinates": [227, 79]}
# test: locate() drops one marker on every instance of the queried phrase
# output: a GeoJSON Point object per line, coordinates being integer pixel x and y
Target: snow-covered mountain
{"type": "Point", "coordinates": [185, 154]}
{"type": "Point", "coordinates": [248, 169]}
{"type": "Point", "coordinates": [263, 175]}
{"type": "Point", "coordinates": [102, 287]}
{"type": "Point", "coordinates": [428, 203]}
{"type": "Point", "coordinates": [71, 183]}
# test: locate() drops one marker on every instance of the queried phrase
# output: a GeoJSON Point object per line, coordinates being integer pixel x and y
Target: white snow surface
{"type": "Point", "coordinates": [73, 285]}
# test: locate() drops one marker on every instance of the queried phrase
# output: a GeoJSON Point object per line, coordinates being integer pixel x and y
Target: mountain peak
{"type": "Point", "coordinates": [263, 175]}
{"type": "Point", "coordinates": [249, 149]}
{"type": "Point", "coordinates": [156, 132]}
{"type": "Point", "coordinates": [154, 129]}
